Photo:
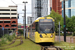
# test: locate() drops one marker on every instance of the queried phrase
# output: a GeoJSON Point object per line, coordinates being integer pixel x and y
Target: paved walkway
{"type": "Point", "coordinates": [68, 39]}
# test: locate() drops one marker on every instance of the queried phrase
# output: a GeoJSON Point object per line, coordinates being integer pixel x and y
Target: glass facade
{"type": "Point", "coordinates": [66, 12]}
{"type": "Point", "coordinates": [38, 8]}
{"type": "Point", "coordinates": [62, 13]}
{"type": "Point", "coordinates": [69, 13]}
{"type": "Point", "coordinates": [70, 10]}
{"type": "Point", "coordinates": [66, 4]}
{"type": "Point", "coordinates": [62, 4]}
{"type": "Point", "coordinates": [72, 3]}
{"type": "Point", "coordinates": [69, 3]}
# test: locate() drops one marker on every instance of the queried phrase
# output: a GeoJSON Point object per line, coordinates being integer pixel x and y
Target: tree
{"type": "Point", "coordinates": [69, 24]}
{"type": "Point", "coordinates": [57, 17]}
{"type": "Point", "coordinates": [73, 23]}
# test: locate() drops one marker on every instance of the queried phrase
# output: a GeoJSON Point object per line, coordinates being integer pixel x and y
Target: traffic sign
{"type": "Point", "coordinates": [2, 28]}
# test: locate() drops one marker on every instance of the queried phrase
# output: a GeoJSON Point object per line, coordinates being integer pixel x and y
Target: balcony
{"type": "Point", "coordinates": [5, 16]}
{"type": "Point", "coordinates": [13, 19]}
{"type": "Point", "coordinates": [8, 15]}
{"type": "Point", "coordinates": [5, 19]}
{"type": "Point", "coordinates": [14, 22]}
{"type": "Point", "coordinates": [14, 16]}
{"type": "Point", "coordinates": [14, 26]}
{"type": "Point", "coordinates": [1, 23]}
{"type": "Point", "coordinates": [4, 11]}
{"type": "Point", "coordinates": [13, 11]}
{"type": "Point", "coordinates": [7, 27]}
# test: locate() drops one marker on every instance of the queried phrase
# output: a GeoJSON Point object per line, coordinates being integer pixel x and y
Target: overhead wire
{"type": "Point", "coordinates": [13, 2]}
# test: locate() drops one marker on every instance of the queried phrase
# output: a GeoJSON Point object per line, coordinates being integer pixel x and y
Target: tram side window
{"type": "Point", "coordinates": [53, 26]}
{"type": "Point", "coordinates": [36, 27]}
{"type": "Point", "coordinates": [29, 29]}
{"type": "Point", "coordinates": [33, 27]}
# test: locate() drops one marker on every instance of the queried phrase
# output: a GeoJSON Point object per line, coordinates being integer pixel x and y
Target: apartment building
{"type": "Point", "coordinates": [29, 19]}
{"type": "Point", "coordinates": [8, 18]}
{"type": "Point", "coordinates": [39, 8]}
{"type": "Point", "coordinates": [69, 8]}
{"type": "Point", "coordinates": [56, 5]}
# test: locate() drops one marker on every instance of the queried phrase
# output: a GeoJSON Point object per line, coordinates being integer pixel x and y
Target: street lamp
{"type": "Point", "coordinates": [64, 21]}
{"type": "Point", "coordinates": [25, 18]}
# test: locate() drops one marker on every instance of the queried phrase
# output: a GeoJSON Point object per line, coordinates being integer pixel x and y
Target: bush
{"type": "Point", "coordinates": [61, 34]}
{"type": "Point", "coordinates": [0, 43]}
{"type": "Point", "coordinates": [13, 35]}
{"type": "Point", "coordinates": [10, 37]}
{"type": "Point", "coordinates": [20, 31]}
{"type": "Point", "coordinates": [3, 41]}
{"type": "Point", "coordinates": [73, 33]}
{"type": "Point", "coordinates": [6, 35]}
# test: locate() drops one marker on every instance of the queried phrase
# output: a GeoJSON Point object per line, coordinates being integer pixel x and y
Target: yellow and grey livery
{"type": "Point", "coordinates": [42, 30]}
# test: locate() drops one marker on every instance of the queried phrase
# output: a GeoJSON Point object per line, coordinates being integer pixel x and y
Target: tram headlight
{"type": "Point", "coordinates": [51, 35]}
{"type": "Point", "coordinates": [41, 36]}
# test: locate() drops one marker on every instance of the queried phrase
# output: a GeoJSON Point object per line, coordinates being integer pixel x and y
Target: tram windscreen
{"type": "Point", "coordinates": [46, 26]}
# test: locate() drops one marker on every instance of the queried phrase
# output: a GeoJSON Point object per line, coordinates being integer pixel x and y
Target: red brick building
{"type": "Point", "coordinates": [56, 5]}
{"type": "Point", "coordinates": [8, 18]}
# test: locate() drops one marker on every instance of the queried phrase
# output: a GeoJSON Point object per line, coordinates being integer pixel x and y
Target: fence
{"type": "Point", "coordinates": [6, 31]}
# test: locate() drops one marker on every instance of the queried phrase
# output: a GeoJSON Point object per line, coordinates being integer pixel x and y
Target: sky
{"type": "Point", "coordinates": [20, 4]}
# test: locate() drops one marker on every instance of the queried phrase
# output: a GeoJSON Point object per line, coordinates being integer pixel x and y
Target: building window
{"type": "Point", "coordinates": [7, 26]}
{"type": "Point", "coordinates": [69, 3]}
{"type": "Point", "coordinates": [39, 8]}
{"type": "Point", "coordinates": [13, 22]}
{"type": "Point", "coordinates": [50, 8]}
{"type": "Point", "coordinates": [13, 13]}
{"type": "Point", "coordinates": [4, 9]}
{"type": "Point", "coordinates": [13, 18]}
{"type": "Point", "coordinates": [4, 17]}
{"type": "Point", "coordinates": [62, 13]}
{"type": "Point", "coordinates": [1, 21]}
{"type": "Point", "coordinates": [6, 21]}
{"type": "Point", "coordinates": [13, 10]}
{"type": "Point", "coordinates": [72, 3]}
{"type": "Point", "coordinates": [66, 4]}
{"type": "Point", "coordinates": [72, 12]}
{"type": "Point", "coordinates": [69, 13]}
{"type": "Point", "coordinates": [13, 25]}
{"type": "Point", "coordinates": [5, 14]}
{"type": "Point", "coordinates": [0, 26]}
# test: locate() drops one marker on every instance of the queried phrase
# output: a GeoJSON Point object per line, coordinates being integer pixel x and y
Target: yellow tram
{"type": "Point", "coordinates": [42, 30]}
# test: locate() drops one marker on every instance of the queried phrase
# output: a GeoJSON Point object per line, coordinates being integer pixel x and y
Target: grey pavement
{"type": "Point", "coordinates": [68, 39]}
